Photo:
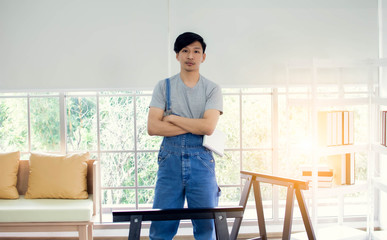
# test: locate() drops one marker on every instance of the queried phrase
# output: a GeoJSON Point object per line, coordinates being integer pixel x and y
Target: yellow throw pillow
{"type": "Point", "coordinates": [58, 176]}
{"type": "Point", "coordinates": [9, 166]}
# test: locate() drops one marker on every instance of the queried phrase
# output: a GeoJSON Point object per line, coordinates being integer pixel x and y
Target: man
{"type": "Point", "coordinates": [186, 168]}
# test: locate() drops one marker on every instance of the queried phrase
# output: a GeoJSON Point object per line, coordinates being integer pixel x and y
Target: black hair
{"type": "Point", "coordinates": [186, 39]}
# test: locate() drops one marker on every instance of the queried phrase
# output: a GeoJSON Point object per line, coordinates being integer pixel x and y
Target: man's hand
{"type": "Point", "coordinates": [169, 118]}
{"type": "Point", "coordinates": [157, 126]}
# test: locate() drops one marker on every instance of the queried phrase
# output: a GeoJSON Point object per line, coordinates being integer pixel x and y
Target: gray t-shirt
{"type": "Point", "coordinates": [188, 102]}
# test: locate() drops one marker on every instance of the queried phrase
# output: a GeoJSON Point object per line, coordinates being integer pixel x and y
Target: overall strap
{"type": "Point", "coordinates": [168, 90]}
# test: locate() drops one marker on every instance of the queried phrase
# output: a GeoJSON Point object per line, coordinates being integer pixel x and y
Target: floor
{"type": "Point", "coordinates": [111, 238]}
{"type": "Point", "coordinates": [103, 238]}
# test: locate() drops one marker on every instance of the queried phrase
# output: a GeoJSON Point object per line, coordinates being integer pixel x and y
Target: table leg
{"type": "Point", "coordinates": [221, 226]}
{"type": "Point", "coordinates": [288, 213]}
{"type": "Point", "coordinates": [135, 227]}
{"type": "Point", "coordinates": [259, 209]}
{"type": "Point", "coordinates": [242, 202]}
{"type": "Point", "coordinates": [305, 215]}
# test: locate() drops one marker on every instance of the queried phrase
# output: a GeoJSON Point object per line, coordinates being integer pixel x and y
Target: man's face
{"type": "Point", "coordinates": [191, 56]}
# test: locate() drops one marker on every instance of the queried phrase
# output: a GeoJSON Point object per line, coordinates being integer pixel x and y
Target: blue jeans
{"type": "Point", "coordinates": [186, 171]}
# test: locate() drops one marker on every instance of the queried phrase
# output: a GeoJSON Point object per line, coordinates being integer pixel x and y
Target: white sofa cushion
{"type": "Point", "coordinates": [46, 210]}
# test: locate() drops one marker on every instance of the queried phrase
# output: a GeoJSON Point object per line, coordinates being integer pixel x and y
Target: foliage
{"type": "Point", "coordinates": [13, 125]}
{"type": "Point", "coordinates": [45, 124]}
{"type": "Point", "coordinates": [256, 121]}
{"type": "Point", "coordinates": [81, 123]}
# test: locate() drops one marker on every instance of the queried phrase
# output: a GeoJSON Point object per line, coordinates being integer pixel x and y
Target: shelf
{"type": "Point", "coordinates": [335, 150]}
{"type": "Point", "coordinates": [380, 62]}
{"type": "Point", "coordinates": [338, 190]}
{"type": "Point", "coordinates": [379, 101]}
{"type": "Point", "coordinates": [330, 102]}
{"type": "Point", "coordinates": [332, 150]}
{"type": "Point", "coordinates": [379, 235]}
{"type": "Point", "coordinates": [318, 63]}
{"type": "Point", "coordinates": [379, 148]}
{"type": "Point", "coordinates": [380, 184]}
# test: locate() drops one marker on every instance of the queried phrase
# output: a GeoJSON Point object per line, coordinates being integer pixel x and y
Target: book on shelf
{"type": "Point", "coordinates": [343, 166]}
{"type": "Point", "coordinates": [383, 128]}
{"type": "Point", "coordinates": [351, 136]}
{"type": "Point", "coordinates": [319, 173]}
{"type": "Point", "coordinates": [324, 175]}
{"type": "Point", "coordinates": [340, 128]}
{"type": "Point", "coordinates": [335, 128]}
{"type": "Point", "coordinates": [323, 184]}
{"type": "Point", "coordinates": [349, 168]}
{"type": "Point", "coordinates": [345, 127]}
{"type": "Point", "coordinates": [320, 167]}
{"type": "Point", "coordinates": [319, 179]}
{"type": "Point", "coordinates": [325, 128]}
{"type": "Point", "coordinates": [348, 137]}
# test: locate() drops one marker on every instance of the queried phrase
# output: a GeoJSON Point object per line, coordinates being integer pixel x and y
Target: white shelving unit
{"type": "Point", "coordinates": [314, 103]}
{"type": "Point", "coordinates": [379, 101]}
{"type": "Point", "coordinates": [379, 175]}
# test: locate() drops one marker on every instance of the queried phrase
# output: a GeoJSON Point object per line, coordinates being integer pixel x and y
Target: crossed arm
{"type": "Point", "coordinates": [173, 125]}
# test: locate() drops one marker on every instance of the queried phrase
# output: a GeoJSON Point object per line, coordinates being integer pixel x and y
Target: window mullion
{"type": "Point", "coordinates": [62, 113]}
{"type": "Point", "coordinates": [240, 136]}
{"type": "Point", "coordinates": [135, 149]}
{"type": "Point", "coordinates": [275, 151]}
{"type": "Point", "coordinates": [29, 121]}
{"type": "Point", "coordinates": [99, 190]}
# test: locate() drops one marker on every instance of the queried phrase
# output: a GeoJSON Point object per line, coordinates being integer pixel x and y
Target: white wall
{"type": "Point", "coordinates": [90, 44]}
{"type": "Point", "coordinates": [383, 47]}
{"type": "Point", "coordinates": [250, 40]}
{"type": "Point", "coordinates": [384, 27]}
{"type": "Point", "coordinates": [49, 44]}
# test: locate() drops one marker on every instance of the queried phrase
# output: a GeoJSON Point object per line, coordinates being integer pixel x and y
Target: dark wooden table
{"type": "Point", "coordinates": [219, 214]}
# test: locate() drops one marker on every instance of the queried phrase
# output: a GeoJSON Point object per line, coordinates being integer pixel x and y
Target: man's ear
{"type": "Point", "coordinates": [177, 56]}
{"type": "Point", "coordinates": [204, 57]}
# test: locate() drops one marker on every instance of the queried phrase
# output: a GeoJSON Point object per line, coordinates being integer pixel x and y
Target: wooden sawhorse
{"type": "Point", "coordinates": [293, 185]}
{"type": "Point", "coordinates": [219, 214]}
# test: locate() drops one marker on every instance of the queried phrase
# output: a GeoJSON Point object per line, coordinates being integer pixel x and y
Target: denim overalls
{"type": "Point", "coordinates": [186, 170]}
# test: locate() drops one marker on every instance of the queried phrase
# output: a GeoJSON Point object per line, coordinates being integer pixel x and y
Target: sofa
{"type": "Point", "coordinates": [46, 211]}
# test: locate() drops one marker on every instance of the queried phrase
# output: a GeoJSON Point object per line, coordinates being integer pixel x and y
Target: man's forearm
{"type": "Point", "coordinates": [199, 126]}
{"type": "Point", "coordinates": [166, 129]}
{"type": "Point", "coordinates": [174, 125]}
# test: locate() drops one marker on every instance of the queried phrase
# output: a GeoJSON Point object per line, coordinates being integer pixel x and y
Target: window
{"type": "Point", "coordinates": [261, 125]}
